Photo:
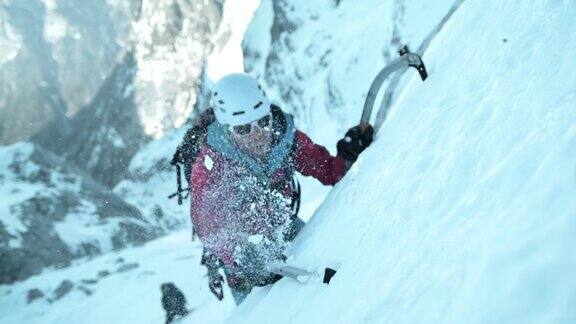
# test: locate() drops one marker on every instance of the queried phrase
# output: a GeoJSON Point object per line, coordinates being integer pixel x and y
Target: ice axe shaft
{"type": "Point", "coordinates": [299, 274]}
{"type": "Point", "coordinates": [406, 59]}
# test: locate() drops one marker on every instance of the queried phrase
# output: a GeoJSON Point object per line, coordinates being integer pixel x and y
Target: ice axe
{"type": "Point", "coordinates": [217, 290]}
{"type": "Point", "coordinates": [406, 59]}
{"type": "Point", "coordinates": [299, 274]}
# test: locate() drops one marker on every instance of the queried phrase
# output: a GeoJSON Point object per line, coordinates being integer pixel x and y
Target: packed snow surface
{"type": "Point", "coordinates": [119, 287]}
{"type": "Point", "coordinates": [463, 209]}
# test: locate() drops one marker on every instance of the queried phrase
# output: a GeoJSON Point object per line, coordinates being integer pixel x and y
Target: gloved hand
{"type": "Point", "coordinates": [354, 142]}
{"type": "Point", "coordinates": [252, 259]}
{"type": "Point", "coordinates": [215, 281]}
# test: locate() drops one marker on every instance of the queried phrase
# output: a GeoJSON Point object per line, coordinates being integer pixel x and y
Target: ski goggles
{"type": "Point", "coordinates": [247, 128]}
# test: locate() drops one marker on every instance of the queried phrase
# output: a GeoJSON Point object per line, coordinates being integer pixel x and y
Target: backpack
{"type": "Point", "coordinates": [188, 150]}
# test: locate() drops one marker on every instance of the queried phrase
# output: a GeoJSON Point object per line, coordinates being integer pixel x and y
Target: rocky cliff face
{"type": "Point", "coordinates": [172, 39]}
{"type": "Point", "coordinates": [102, 138]}
{"type": "Point", "coordinates": [51, 213]}
{"type": "Point", "coordinates": [79, 70]}
{"type": "Point", "coordinates": [54, 56]}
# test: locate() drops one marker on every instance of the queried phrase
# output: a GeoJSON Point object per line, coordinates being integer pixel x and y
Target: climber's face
{"type": "Point", "coordinates": [254, 138]}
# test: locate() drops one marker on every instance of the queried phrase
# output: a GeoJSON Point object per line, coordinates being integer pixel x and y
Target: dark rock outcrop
{"type": "Point", "coordinates": [55, 213]}
{"type": "Point", "coordinates": [104, 137]}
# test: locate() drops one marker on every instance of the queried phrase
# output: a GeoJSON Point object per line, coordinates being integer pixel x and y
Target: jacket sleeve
{"type": "Point", "coordinates": [314, 160]}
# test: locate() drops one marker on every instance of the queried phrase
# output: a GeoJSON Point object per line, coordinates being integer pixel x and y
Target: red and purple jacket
{"type": "Point", "coordinates": [234, 196]}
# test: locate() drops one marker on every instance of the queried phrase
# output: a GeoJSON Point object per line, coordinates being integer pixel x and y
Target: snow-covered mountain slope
{"type": "Point", "coordinates": [151, 179]}
{"type": "Point", "coordinates": [119, 287]}
{"type": "Point", "coordinates": [51, 213]}
{"type": "Point", "coordinates": [463, 208]}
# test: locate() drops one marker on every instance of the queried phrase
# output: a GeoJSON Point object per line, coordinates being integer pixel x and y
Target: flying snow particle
{"type": "Point", "coordinates": [208, 163]}
{"type": "Point", "coordinates": [256, 238]}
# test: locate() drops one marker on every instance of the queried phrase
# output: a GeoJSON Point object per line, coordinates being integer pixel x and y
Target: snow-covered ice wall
{"type": "Point", "coordinates": [318, 58]}
{"type": "Point", "coordinates": [463, 210]}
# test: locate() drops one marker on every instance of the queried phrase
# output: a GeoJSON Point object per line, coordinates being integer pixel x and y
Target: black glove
{"type": "Point", "coordinates": [354, 142]}
{"type": "Point", "coordinates": [215, 279]}
{"type": "Point", "coordinates": [252, 260]}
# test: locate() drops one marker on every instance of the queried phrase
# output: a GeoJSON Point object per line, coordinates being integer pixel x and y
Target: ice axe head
{"type": "Point", "coordinates": [414, 60]}
{"type": "Point", "coordinates": [328, 274]}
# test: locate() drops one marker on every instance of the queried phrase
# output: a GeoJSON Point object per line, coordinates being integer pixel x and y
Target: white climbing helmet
{"type": "Point", "coordinates": [239, 99]}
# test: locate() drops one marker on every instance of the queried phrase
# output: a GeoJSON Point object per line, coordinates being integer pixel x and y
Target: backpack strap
{"type": "Point", "coordinates": [188, 150]}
